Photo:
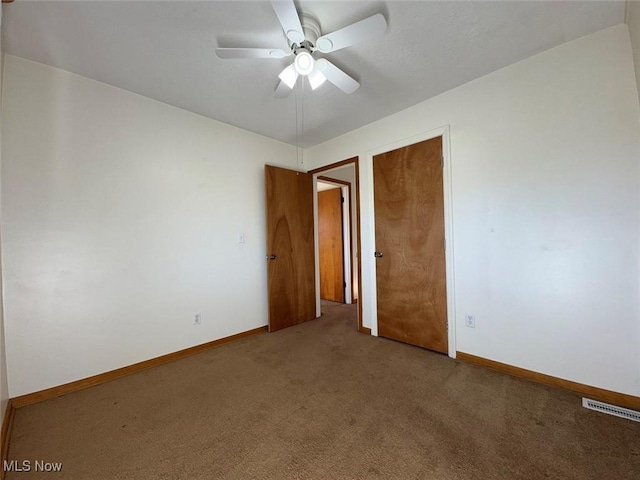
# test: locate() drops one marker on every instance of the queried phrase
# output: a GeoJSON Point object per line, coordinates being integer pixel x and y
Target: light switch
{"type": "Point", "coordinates": [241, 238]}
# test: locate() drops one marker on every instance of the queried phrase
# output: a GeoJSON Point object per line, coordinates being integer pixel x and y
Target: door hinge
{"type": "Point", "coordinates": [445, 244]}
{"type": "Point", "coordinates": [342, 198]}
{"type": "Point", "coordinates": [344, 284]}
{"type": "Point", "coordinates": [442, 161]}
{"type": "Point", "coordinates": [447, 326]}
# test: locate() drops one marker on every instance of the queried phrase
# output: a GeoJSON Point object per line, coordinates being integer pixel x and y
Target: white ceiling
{"type": "Point", "coordinates": [165, 50]}
{"type": "Point", "coordinates": [322, 186]}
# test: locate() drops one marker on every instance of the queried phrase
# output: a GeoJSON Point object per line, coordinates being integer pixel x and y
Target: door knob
{"type": "Point", "coordinates": [271, 257]}
{"type": "Point", "coordinates": [377, 254]}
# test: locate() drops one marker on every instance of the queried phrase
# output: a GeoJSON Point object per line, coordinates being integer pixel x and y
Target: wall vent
{"type": "Point", "coordinates": [611, 409]}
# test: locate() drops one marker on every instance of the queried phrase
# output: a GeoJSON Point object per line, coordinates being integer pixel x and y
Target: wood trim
{"type": "Point", "coordinates": [364, 330]}
{"type": "Point", "coordinates": [42, 395]}
{"type": "Point", "coordinates": [6, 1]}
{"type": "Point", "coordinates": [7, 426]}
{"type": "Point", "coordinates": [594, 393]}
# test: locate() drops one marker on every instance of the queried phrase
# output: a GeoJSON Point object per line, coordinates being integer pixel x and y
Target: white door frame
{"type": "Point", "coordinates": [367, 219]}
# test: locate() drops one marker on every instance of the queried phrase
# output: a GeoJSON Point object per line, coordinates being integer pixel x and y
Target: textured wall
{"type": "Point", "coordinates": [545, 202]}
{"type": "Point", "coordinates": [4, 386]}
{"type": "Point", "coordinates": [633, 23]}
{"type": "Point", "coordinates": [120, 217]}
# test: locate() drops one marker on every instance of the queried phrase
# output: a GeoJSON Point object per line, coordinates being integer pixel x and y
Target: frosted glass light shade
{"type": "Point", "coordinates": [316, 78]}
{"type": "Point", "coordinates": [304, 63]}
{"type": "Point", "coordinates": [289, 75]}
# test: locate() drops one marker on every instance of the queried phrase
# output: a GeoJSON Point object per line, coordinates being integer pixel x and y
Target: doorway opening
{"type": "Point", "coordinates": [334, 244]}
{"type": "Point", "coordinates": [337, 231]}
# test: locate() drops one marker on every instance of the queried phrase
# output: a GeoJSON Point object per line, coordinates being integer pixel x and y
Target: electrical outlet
{"type": "Point", "coordinates": [197, 320]}
{"type": "Point", "coordinates": [241, 238]}
{"type": "Point", "coordinates": [470, 321]}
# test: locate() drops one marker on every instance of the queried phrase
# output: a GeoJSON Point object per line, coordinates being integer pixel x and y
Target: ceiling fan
{"type": "Point", "coordinates": [304, 39]}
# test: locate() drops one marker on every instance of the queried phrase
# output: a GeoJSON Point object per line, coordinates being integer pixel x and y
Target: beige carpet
{"type": "Point", "coordinates": [321, 401]}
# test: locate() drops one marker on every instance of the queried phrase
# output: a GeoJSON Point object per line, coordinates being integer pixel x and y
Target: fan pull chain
{"type": "Point", "coordinates": [302, 122]}
{"type": "Point", "coordinates": [297, 135]}
{"type": "Point", "coordinates": [299, 104]}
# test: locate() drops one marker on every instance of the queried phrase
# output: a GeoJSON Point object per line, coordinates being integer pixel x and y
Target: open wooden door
{"type": "Point", "coordinates": [410, 266]}
{"type": "Point", "coordinates": [331, 245]}
{"type": "Point", "coordinates": [290, 247]}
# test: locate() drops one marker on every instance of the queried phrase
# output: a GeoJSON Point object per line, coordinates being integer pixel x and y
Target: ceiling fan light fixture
{"type": "Point", "coordinates": [316, 78]}
{"type": "Point", "coordinates": [289, 76]}
{"type": "Point", "coordinates": [304, 62]}
{"type": "Point", "coordinates": [303, 38]}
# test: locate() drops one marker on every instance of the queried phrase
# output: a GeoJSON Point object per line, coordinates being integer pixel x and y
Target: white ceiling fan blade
{"type": "Point", "coordinates": [251, 53]}
{"type": "Point", "coordinates": [289, 19]}
{"type": "Point", "coordinates": [367, 29]}
{"type": "Point", "coordinates": [336, 76]}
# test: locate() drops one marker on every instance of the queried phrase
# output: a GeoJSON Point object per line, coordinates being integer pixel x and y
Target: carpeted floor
{"type": "Point", "coordinates": [322, 401]}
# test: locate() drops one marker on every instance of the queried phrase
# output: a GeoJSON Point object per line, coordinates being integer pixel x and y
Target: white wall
{"type": "Point", "coordinates": [545, 209]}
{"type": "Point", "coordinates": [4, 386]}
{"type": "Point", "coordinates": [633, 23]}
{"type": "Point", "coordinates": [120, 219]}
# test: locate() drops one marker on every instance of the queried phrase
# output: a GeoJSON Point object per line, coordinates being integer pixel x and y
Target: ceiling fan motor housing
{"type": "Point", "coordinates": [311, 28]}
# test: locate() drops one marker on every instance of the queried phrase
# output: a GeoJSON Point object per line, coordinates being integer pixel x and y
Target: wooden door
{"type": "Point", "coordinates": [290, 247]}
{"type": "Point", "coordinates": [409, 223]}
{"type": "Point", "coordinates": [331, 245]}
